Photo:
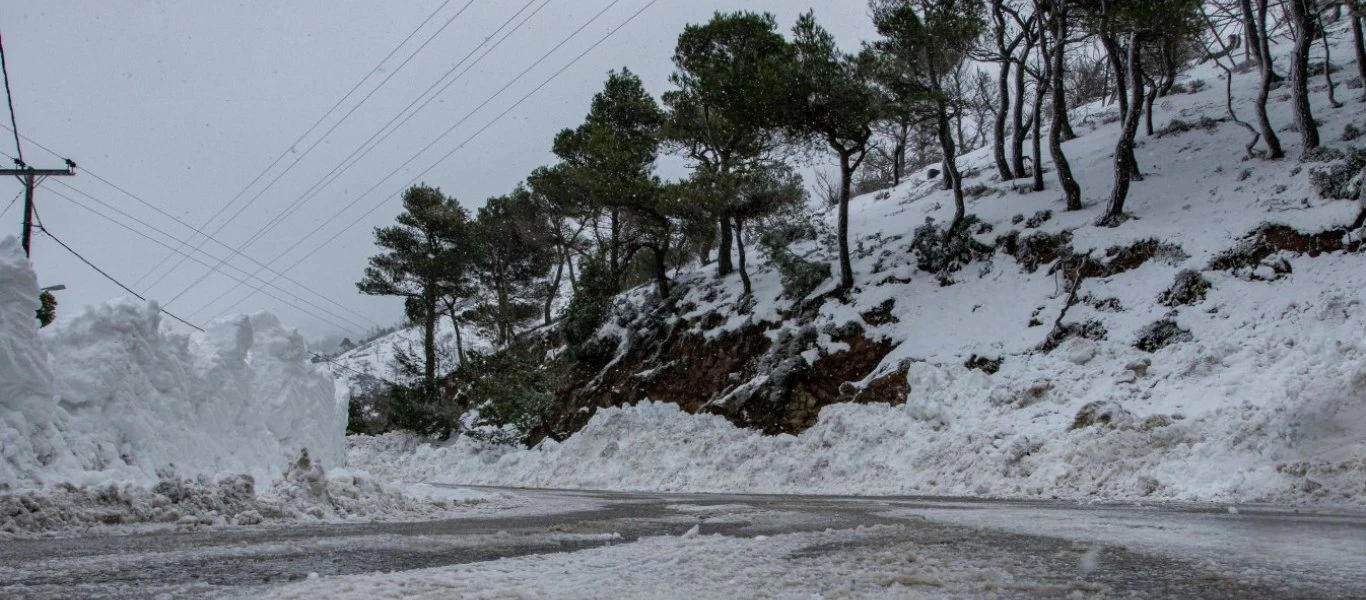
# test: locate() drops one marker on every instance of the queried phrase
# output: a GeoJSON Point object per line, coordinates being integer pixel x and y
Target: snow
{"type": "Point", "coordinates": [111, 417]}
{"type": "Point", "coordinates": [701, 565]}
{"type": "Point", "coordinates": [1266, 402]}
{"type": "Point", "coordinates": [110, 395]}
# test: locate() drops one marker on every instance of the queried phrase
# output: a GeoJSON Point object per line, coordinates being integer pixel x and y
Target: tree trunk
{"type": "Point", "coordinates": [1036, 142]}
{"type": "Point", "coordinates": [429, 313]}
{"type": "Point", "coordinates": [1071, 191]}
{"type": "Point", "coordinates": [1251, 32]}
{"type": "Point", "coordinates": [1328, 63]}
{"type": "Point", "coordinates": [998, 142]}
{"type": "Point", "coordinates": [459, 343]}
{"type": "Point", "coordinates": [1116, 55]}
{"type": "Point", "coordinates": [1302, 24]}
{"type": "Point", "coordinates": [1273, 141]}
{"type": "Point", "coordinates": [614, 251]}
{"type": "Point", "coordinates": [661, 252]}
{"type": "Point", "coordinates": [842, 228]}
{"type": "Point", "coordinates": [899, 152]}
{"type": "Point", "coordinates": [740, 255]}
{"type": "Point", "coordinates": [950, 163]}
{"type": "Point", "coordinates": [1017, 121]}
{"type": "Point", "coordinates": [554, 290]}
{"type": "Point", "coordinates": [1124, 149]}
{"type": "Point", "coordinates": [723, 265]}
{"type": "Point", "coordinates": [569, 266]}
{"type": "Point", "coordinates": [1148, 110]}
{"type": "Point", "coordinates": [1359, 46]}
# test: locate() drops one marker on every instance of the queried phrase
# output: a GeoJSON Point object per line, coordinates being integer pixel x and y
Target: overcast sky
{"type": "Point", "coordinates": [183, 104]}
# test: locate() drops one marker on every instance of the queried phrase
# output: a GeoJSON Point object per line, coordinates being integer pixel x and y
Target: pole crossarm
{"type": "Point", "coordinates": [38, 172]}
{"type": "Point", "coordinates": [31, 177]}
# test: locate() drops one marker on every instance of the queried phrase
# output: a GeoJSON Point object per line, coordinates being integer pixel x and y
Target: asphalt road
{"type": "Point", "coordinates": [1149, 551]}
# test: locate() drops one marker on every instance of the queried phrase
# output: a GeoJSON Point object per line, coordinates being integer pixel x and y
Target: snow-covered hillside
{"type": "Point", "coordinates": [1251, 390]}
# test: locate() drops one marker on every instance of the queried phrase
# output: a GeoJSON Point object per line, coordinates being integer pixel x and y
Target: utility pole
{"type": "Point", "coordinates": [31, 178]}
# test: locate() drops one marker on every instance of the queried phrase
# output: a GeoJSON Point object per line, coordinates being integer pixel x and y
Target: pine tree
{"type": "Point", "coordinates": [416, 263]}
{"type": "Point", "coordinates": [837, 104]}
{"type": "Point", "coordinates": [730, 75]}
{"type": "Point", "coordinates": [513, 253]}
{"type": "Point", "coordinates": [610, 160]}
{"type": "Point", "coordinates": [928, 40]}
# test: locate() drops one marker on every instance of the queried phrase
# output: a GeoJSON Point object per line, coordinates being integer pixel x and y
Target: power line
{"type": "Point", "coordinates": [200, 262]}
{"type": "Point", "coordinates": [366, 147]}
{"type": "Point", "coordinates": [334, 126]}
{"type": "Point", "coordinates": [11, 204]}
{"type": "Point", "coordinates": [212, 257]}
{"type": "Point", "coordinates": [9, 97]}
{"type": "Point", "coordinates": [447, 132]}
{"type": "Point", "coordinates": [183, 243]}
{"type": "Point", "coordinates": [111, 277]}
{"type": "Point", "coordinates": [168, 313]}
{"type": "Point", "coordinates": [361, 151]}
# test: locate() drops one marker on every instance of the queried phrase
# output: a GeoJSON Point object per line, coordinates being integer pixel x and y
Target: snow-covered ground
{"type": "Point", "coordinates": [1264, 401]}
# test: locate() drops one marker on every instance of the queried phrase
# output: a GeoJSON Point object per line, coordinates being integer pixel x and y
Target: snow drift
{"type": "Point", "coordinates": [109, 395]}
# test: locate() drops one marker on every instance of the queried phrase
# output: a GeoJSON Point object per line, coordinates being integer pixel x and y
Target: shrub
{"type": "Point", "coordinates": [1038, 219]}
{"type": "Point", "coordinates": [1350, 132]}
{"type": "Point", "coordinates": [424, 411]}
{"type": "Point", "coordinates": [1160, 334]}
{"type": "Point", "coordinates": [1178, 126]}
{"type": "Point", "coordinates": [1343, 177]}
{"type": "Point", "coordinates": [1189, 288]}
{"type": "Point", "coordinates": [942, 252]}
{"type": "Point", "coordinates": [588, 308]}
{"type": "Point", "coordinates": [799, 276]}
{"type": "Point", "coordinates": [509, 393]}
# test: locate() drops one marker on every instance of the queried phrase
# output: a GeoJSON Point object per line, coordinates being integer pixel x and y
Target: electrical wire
{"type": "Point", "coordinates": [11, 204]}
{"type": "Point", "coordinates": [111, 277]}
{"type": "Point", "coordinates": [334, 126]}
{"type": "Point", "coordinates": [343, 166]}
{"type": "Point", "coordinates": [523, 99]}
{"type": "Point", "coordinates": [384, 132]}
{"type": "Point", "coordinates": [168, 313]}
{"type": "Point", "coordinates": [143, 235]}
{"type": "Point", "coordinates": [183, 243]}
{"type": "Point", "coordinates": [9, 97]}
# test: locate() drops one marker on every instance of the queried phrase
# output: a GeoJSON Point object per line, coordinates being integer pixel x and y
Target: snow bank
{"type": "Point", "coordinates": [303, 493]}
{"type": "Point", "coordinates": [109, 395]}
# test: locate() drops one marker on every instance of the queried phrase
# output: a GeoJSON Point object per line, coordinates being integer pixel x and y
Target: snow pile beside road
{"type": "Point", "coordinates": [304, 493]}
{"type": "Point", "coordinates": [109, 396]}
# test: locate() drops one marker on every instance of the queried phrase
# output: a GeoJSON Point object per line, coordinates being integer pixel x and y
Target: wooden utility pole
{"type": "Point", "coordinates": [31, 177]}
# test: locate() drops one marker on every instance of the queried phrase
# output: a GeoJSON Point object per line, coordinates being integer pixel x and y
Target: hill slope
{"type": "Point", "coordinates": [1208, 349]}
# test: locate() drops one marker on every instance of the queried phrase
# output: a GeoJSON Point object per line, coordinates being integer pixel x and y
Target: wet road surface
{"type": "Point", "coordinates": [1203, 551]}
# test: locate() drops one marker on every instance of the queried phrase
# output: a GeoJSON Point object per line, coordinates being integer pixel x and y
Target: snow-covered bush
{"type": "Point", "coordinates": [944, 252]}
{"type": "Point", "coordinates": [1341, 178]}
{"type": "Point", "coordinates": [1189, 288]}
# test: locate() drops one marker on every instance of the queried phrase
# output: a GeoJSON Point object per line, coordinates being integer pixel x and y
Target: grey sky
{"type": "Point", "coordinates": [183, 103]}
